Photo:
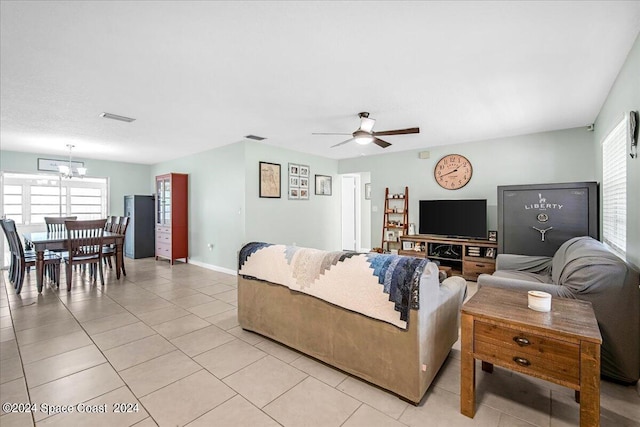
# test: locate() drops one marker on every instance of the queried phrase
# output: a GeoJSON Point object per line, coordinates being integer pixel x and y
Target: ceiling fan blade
{"type": "Point", "coordinates": [366, 124]}
{"type": "Point", "coordinates": [397, 132]}
{"type": "Point", "coordinates": [343, 142]}
{"type": "Point", "coordinates": [329, 133]}
{"type": "Point", "coordinates": [380, 143]}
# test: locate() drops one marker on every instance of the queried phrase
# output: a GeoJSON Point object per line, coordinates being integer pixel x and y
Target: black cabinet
{"type": "Point", "coordinates": [537, 219]}
{"type": "Point", "coordinates": [139, 241]}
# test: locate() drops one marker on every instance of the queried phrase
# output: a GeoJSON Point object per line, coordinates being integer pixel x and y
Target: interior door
{"type": "Point", "coordinates": [349, 213]}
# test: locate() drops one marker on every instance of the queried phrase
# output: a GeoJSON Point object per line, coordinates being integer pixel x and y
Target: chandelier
{"type": "Point", "coordinates": [67, 171]}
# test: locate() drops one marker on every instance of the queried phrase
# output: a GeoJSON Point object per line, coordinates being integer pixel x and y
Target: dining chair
{"type": "Point", "coordinates": [119, 227]}
{"type": "Point", "coordinates": [112, 222]}
{"type": "Point", "coordinates": [56, 224]}
{"type": "Point", "coordinates": [13, 262]}
{"type": "Point", "coordinates": [22, 261]}
{"type": "Point", "coordinates": [84, 246]}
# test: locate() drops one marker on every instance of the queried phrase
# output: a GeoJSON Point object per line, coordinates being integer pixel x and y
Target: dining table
{"type": "Point", "coordinates": [57, 240]}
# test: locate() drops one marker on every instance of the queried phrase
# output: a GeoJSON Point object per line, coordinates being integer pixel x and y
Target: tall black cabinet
{"type": "Point", "coordinates": [140, 238]}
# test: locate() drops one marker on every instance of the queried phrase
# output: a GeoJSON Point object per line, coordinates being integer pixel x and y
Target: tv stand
{"type": "Point", "coordinates": [466, 257]}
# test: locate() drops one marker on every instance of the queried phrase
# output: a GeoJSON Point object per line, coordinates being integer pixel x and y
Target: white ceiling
{"type": "Point", "coordinates": [198, 75]}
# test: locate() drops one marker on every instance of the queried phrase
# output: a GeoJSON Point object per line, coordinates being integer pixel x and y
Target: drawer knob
{"type": "Point", "coordinates": [521, 361]}
{"type": "Point", "coordinates": [521, 341]}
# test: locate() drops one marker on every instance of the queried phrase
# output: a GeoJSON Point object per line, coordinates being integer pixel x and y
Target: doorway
{"type": "Point", "coordinates": [356, 212]}
{"type": "Point", "coordinates": [350, 209]}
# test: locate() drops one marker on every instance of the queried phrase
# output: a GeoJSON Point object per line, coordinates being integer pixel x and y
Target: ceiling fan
{"type": "Point", "coordinates": [364, 134]}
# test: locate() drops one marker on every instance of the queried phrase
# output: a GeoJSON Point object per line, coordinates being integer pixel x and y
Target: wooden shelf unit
{"type": "Point", "coordinates": [466, 257]}
{"type": "Point", "coordinates": [395, 222]}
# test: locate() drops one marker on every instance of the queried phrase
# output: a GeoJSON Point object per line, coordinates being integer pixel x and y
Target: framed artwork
{"type": "Point", "coordinates": [490, 253]}
{"type": "Point", "coordinates": [269, 180]}
{"type": "Point", "coordinates": [367, 191]}
{"type": "Point", "coordinates": [493, 236]}
{"type": "Point", "coordinates": [323, 185]}
{"type": "Point", "coordinates": [407, 246]}
{"type": "Point", "coordinates": [298, 182]}
{"type": "Point", "coordinates": [51, 165]}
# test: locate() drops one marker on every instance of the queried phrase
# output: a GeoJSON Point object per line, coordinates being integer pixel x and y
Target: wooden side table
{"type": "Point", "coordinates": [561, 346]}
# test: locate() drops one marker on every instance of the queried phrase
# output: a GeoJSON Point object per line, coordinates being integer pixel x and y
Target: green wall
{"type": "Point", "coordinates": [124, 178]}
{"type": "Point", "coordinates": [559, 156]}
{"type": "Point", "coordinates": [225, 210]}
{"type": "Point", "coordinates": [312, 223]}
{"type": "Point", "coordinates": [624, 97]}
{"type": "Point", "coordinates": [216, 203]}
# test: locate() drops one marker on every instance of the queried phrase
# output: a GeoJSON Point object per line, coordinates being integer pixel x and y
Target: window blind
{"type": "Point", "coordinates": [614, 188]}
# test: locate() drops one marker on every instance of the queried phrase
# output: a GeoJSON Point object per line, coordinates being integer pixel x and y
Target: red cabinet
{"type": "Point", "coordinates": [172, 216]}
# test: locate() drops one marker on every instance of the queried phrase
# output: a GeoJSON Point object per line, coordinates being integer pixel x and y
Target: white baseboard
{"type": "Point", "coordinates": [213, 267]}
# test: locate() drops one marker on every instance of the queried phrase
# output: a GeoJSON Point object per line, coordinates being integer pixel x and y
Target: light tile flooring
{"type": "Point", "coordinates": [164, 346]}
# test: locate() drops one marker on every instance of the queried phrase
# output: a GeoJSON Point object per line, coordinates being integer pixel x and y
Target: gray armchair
{"type": "Point", "coordinates": [583, 268]}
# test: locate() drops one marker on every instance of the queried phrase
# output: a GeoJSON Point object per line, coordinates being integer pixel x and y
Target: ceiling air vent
{"type": "Point", "coordinates": [255, 138]}
{"type": "Point", "coordinates": [116, 117]}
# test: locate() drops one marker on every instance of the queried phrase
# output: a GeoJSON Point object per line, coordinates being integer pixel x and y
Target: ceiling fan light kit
{"type": "Point", "coordinates": [364, 134]}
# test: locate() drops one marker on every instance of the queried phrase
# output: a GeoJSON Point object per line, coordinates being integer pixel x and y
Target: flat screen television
{"type": "Point", "coordinates": [454, 218]}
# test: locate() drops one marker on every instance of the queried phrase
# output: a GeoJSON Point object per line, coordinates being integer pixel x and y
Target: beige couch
{"type": "Point", "coordinates": [401, 361]}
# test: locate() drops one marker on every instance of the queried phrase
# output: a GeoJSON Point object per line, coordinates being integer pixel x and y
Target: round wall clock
{"type": "Point", "coordinates": [453, 171]}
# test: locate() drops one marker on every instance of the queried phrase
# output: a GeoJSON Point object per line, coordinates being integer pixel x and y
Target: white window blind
{"type": "Point", "coordinates": [614, 188]}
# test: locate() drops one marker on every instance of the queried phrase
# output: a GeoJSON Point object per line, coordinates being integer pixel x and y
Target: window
{"type": "Point", "coordinates": [28, 198]}
{"type": "Point", "coordinates": [614, 188]}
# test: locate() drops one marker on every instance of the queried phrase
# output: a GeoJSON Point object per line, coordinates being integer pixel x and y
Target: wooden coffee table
{"type": "Point", "coordinates": [561, 346]}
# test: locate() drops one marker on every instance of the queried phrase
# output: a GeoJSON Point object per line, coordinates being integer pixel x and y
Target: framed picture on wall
{"type": "Point", "coordinates": [269, 180]}
{"type": "Point", "coordinates": [323, 185]}
{"type": "Point", "coordinates": [298, 182]}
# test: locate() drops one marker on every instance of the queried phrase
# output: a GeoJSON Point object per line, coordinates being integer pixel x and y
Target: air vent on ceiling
{"type": "Point", "coordinates": [254, 137]}
{"type": "Point", "coordinates": [116, 117]}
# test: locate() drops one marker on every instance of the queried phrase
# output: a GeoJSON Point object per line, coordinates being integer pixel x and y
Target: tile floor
{"type": "Point", "coordinates": [164, 346]}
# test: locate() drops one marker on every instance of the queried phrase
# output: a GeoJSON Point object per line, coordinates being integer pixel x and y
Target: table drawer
{"type": "Point", "coordinates": [530, 353]}
{"type": "Point", "coordinates": [475, 268]}
{"type": "Point", "coordinates": [161, 229]}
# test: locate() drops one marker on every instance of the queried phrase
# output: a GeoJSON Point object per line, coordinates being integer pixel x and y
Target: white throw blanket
{"type": "Point", "coordinates": [341, 278]}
